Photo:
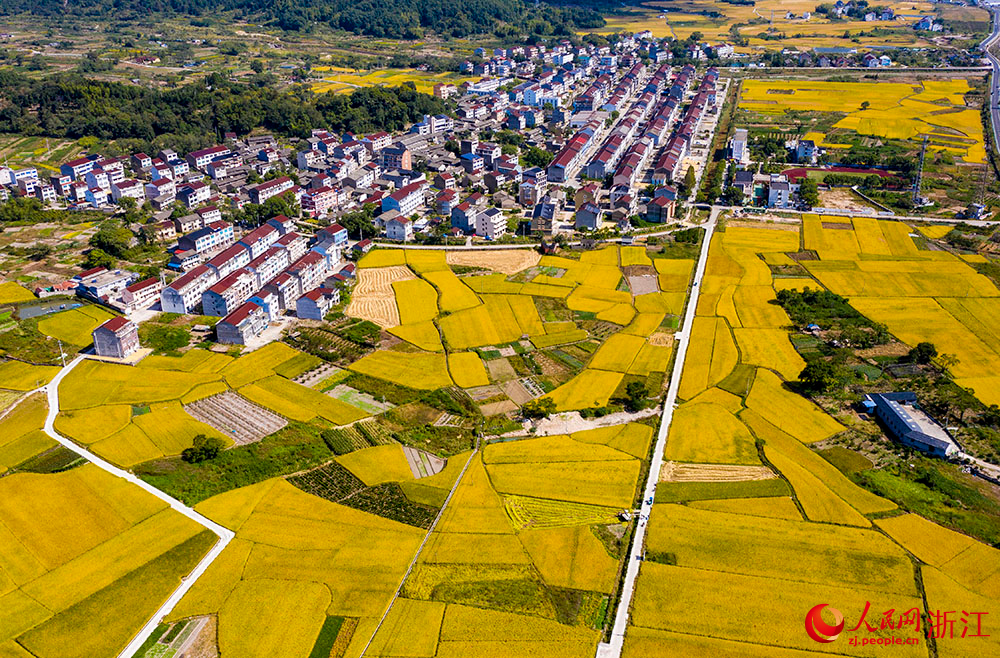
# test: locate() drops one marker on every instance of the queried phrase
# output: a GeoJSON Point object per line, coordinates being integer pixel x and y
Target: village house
{"type": "Point", "coordinates": [142, 294]}
{"type": "Point", "coordinates": [117, 338]}
{"type": "Point", "coordinates": [259, 240]}
{"type": "Point", "coordinates": [183, 294]}
{"type": "Point", "coordinates": [239, 327]}
{"type": "Point", "coordinates": [405, 200]}
{"type": "Point", "coordinates": [316, 304]}
{"type": "Point", "coordinates": [272, 188]}
{"type": "Point", "coordinates": [399, 229]}
{"type": "Point", "coordinates": [228, 293]}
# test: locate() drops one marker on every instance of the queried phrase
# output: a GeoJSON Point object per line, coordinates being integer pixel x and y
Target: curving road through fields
{"type": "Point", "coordinates": [225, 535]}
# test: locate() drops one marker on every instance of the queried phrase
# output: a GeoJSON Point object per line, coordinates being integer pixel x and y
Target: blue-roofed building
{"type": "Point", "coordinates": [909, 424]}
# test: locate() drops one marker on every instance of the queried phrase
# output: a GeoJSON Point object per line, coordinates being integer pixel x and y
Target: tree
{"type": "Point", "coordinates": [923, 353]}
{"type": "Point", "coordinates": [809, 191]}
{"type": "Point", "coordinates": [635, 396]}
{"type": "Point", "coordinates": [536, 157]}
{"type": "Point", "coordinates": [360, 222]}
{"type": "Point", "coordinates": [820, 376]}
{"type": "Point", "coordinates": [540, 408]}
{"type": "Point", "coordinates": [733, 196]}
{"type": "Point", "coordinates": [100, 258]}
{"type": "Point", "coordinates": [112, 238]}
{"type": "Point", "coordinates": [689, 179]}
{"type": "Point", "coordinates": [203, 449]}
{"type": "Point", "coordinates": [947, 362]}
{"type": "Point", "coordinates": [865, 105]}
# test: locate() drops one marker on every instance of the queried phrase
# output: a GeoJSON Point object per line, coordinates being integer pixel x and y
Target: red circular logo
{"type": "Point", "coordinates": [821, 631]}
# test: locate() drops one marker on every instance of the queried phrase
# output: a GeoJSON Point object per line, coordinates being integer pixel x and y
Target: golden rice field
{"type": "Point", "coordinates": [431, 308]}
{"type": "Point", "coordinates": [742, 541]}
{"type": "Point", "coordinates": [20, 376]}
{"type": "Point", "coordinates": [86, 559]}
{"type": "Point", "coordinates": [340, 80]}
{"type": "Point", "coordinates": [706, 433]}
{"type": "Point", "coordinates": [714, 21]}
{"type": "Point", "coordinates": [425, 371]}
{"type": "Point", "coordinates": [21, 437]}
{"type": "Point", "coordinates": [75, 325]}
{"type": "Point", "coordinates": [895, 110]}
{"type": "Point", "coordinates": [521, 520]}
{"type": "Point", "coordinates": [921, 295]}
{"type": "Point", "coordinates": [378, 464]}
{"type": "Point", "coordinates": [308, 556]}
{"type": "Point", "coordinates": [130, 415]}
{"type": "Point", "coordinates": [13, 293]}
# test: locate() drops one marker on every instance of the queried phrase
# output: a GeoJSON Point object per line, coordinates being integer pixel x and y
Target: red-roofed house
{"type": "Point", "coordinates": [315, 304]}
{"type": "Point", "coordinates": [128, 188]}
{"type": "Point", "coordinates": [405, 200]}
{"type": "Point", "coordinates": [142, 294]}
{"type": "Point", "coordinates": [399, 228]}
{"type": "Point", "coordinates": [272, 188]}
{"type": "Point", "coordinates": [184, 293]}
{"type": "Point", "coordinates": [246, 322]}
{"type": "Point", "coordinates": [116, 338]}
{"type": "Point", "coordinates": [310, 270]}
{"type": "Point", "coordinates": [223, 297]}
{"type": "Point", "coordinates": [259, 240]}
{"type": "Point", "coordinates": [200, 159]}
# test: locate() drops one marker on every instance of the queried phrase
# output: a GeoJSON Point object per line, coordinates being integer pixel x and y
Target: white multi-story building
{"type": "Point", "coordinates": [230, 292]}
{"type": "Point", "coordinates": [491, 224]}
{"type": "Point", "coordinates": [229, 261]}
{"type": "Point", "coordinates": [259, 240]}
{"type": "Point", "coordinates": [246, 322]}
{"type": "Point", "coordinates": [200, 159]}
{"type": "Point", "coordinates": [269, 265]}
{"type": "Point", "coordinates": [183, 295]}
{"type": "Point", "coordinates": [117, 338]}
{"type": "Point", "coordinates": [405, 200]}
{"type": "Point", "coordinates": [213, 236]}
{"type": "Point", "coordinates": [142, 294]}
{"type": "Point", "coordinates": [272, 188]}
{"type": "Point", "coordinates": [128, 188]}
{"type": "Point", "coordinates": [739, 148]}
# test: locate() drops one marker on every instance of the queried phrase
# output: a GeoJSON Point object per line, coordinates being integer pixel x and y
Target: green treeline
{"type": "Point", "coordinates": [399, 19]}
{"type": "Point", "coordinates": [70, 105]}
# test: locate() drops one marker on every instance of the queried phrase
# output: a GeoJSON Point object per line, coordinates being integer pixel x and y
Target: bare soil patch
{"type": "Point", "coordinates": [500, 370]}
{"type": "Point", "coordinates": [889, 349]}
{"type": "Point", "coordinates": [497, 408]}
{"type": "Point", "coordinates": [639, 270]}
{"type": "Point", "coordinates": [481, 393]}
{"type": "Point", "coordinates": [516, 391]}
{"type": "Point", "coordinates": [507, 261]}
{"type": "Point", "coordinates": [643, 285]}
{"type": "Point", "coordinates": [661, 339]}
{"type": "Point", "coordinates": [774, 226]}
{"type": "Point", "coordinates": [842, 199]}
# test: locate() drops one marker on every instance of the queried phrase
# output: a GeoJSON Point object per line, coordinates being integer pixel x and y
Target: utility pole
{"type": "Point", "coordinates": [62, 354]}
